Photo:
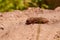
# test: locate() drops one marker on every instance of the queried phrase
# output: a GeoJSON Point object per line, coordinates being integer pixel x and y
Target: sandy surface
{"type": "Point", "coordinates": [13, 27]}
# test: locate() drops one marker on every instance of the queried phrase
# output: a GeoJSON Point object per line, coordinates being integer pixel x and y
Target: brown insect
{"type": "Point", "coordinates": [36, 20]}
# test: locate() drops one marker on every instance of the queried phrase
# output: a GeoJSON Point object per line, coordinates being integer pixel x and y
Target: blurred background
{"type": "Point", "coordinates": [10, 5]}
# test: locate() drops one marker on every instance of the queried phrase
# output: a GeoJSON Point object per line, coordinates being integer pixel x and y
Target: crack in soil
{"type": "Point", "coordinates": [38, 32]}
